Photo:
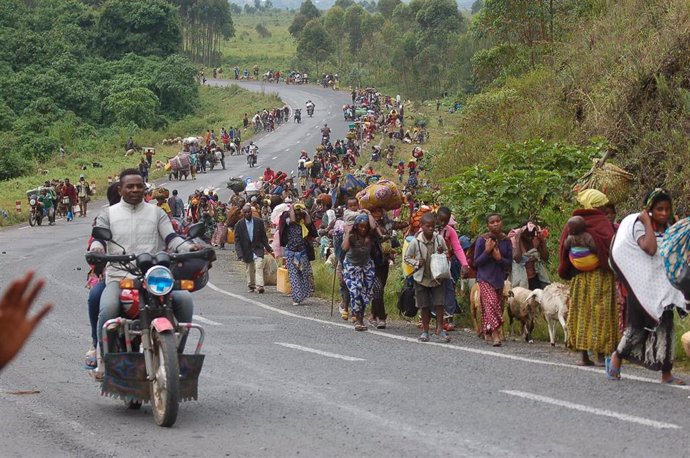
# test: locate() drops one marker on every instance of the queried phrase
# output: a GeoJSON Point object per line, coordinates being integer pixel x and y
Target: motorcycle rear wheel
{"type": "Point", "coordinates": [165, 387]}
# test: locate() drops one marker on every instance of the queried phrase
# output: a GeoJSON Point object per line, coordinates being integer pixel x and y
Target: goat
{"type": "Point", "coordinates": [554, 303]}
{"type": "Point", "coordinates": [476, 304]}
{"type": "Point", "coordinates": [523, 307]}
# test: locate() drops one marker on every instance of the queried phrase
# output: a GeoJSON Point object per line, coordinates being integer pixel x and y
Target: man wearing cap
{"type": "Point", "coordinates": [83, 193]}
{"type": "Point", "coordinates": [250, 243]}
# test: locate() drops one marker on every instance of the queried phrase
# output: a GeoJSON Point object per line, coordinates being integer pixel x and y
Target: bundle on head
{"type": "Point", "coordinates": [607, 178]}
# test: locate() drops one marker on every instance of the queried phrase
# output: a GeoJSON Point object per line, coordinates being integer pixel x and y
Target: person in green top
{"type": "Point", "coordinates": [46, 200]}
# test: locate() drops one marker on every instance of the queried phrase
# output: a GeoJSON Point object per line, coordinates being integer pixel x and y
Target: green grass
{"type": "Point", "coordinates": [247, 48]}
{"type": "Point", "coordinates": [219, 107]}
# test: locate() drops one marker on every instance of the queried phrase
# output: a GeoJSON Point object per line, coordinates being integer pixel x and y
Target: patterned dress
{"type": "Point", "coordinates": [298, 265]}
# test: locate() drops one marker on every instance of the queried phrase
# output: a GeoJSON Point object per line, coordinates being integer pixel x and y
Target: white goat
{"type": "Point", "coordinates": [523, 307]}
{"type": "Point", "coordinates": [554, 303]}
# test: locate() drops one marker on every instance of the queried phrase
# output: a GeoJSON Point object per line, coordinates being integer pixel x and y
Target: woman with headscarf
{"type": "Point", "coordinates": [296, 232]}
{"type": "Point", "coordinates": [358, 267]}
{"type": "Point", "coordinates": [649, 336]}
{"type": "Point", "coordinates": [592, 315]}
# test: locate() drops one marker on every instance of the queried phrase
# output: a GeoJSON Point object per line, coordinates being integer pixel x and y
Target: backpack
{"type": "Point", "coordinates": [407, 304]}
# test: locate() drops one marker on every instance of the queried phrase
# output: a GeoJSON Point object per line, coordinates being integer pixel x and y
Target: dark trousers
{"type": "Point", "coordinates": [378, 307]}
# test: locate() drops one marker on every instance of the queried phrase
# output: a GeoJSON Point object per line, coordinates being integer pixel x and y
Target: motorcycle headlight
{"type": "Point", "coordinates": [32, 202]}
{"type": "Point", "coordinates": [159, 280]}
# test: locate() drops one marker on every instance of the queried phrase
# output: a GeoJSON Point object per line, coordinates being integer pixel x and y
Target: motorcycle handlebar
{"type": "Point", "coordinates": [207, 254]}
{"type": "Point", "coordinates": [101, 258]}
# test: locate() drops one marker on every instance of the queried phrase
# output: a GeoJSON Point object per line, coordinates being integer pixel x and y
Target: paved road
{"type": "Point", "coordinates": [291, 381]}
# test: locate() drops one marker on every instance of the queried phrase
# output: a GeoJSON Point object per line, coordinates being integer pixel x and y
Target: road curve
{"type": "Point", "coordinates": [287, 381]}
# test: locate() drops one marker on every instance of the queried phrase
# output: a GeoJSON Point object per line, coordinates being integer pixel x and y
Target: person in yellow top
{"type": "Point", "coordinates": [162, 202]}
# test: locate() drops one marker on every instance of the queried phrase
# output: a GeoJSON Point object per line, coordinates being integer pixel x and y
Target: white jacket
{"type": "Point", "coordinates": [144, 228]}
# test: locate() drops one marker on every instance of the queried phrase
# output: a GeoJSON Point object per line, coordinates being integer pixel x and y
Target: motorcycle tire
{"type": "Point", "coordinates": [32, 220]}
{"type": "Point", "coordinates": [165, 387]}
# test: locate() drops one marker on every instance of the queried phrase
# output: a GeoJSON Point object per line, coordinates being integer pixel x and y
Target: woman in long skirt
{"type": "Point", "coordinates": [648, 338]}
{"type": "Point", "coordinates": [592, 313]}
{"type": "Point", "coordinates": [294, 239]}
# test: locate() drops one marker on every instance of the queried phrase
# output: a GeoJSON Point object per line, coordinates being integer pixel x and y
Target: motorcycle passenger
{"type": "Point", "coordinates": [152, 232]}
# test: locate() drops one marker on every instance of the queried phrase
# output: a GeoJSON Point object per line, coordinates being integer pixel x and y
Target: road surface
{"type": "Point", "coordinates": [292, 381]}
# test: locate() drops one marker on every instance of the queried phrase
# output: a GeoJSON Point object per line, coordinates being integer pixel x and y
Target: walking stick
{"type": "Point", "coordinates": [335, 273]}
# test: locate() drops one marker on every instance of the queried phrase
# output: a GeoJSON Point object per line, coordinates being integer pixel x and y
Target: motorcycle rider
{"type": "Point", "coordinates": [310, 107]}
{"type": "Point", "coordinates": [325, 134]}
{"type": "Point", "coordinates": [139, 228]}
{"type": "Point", "coordinates": [298, 115]}
{"type": "Point", "coordinates": [45, 200]}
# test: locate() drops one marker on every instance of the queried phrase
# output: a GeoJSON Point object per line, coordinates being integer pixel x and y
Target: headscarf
{"type": "Point", "coordinates": [361, 218]}
{"type": "Point", "coordinates": [305, 230]}
{"type": "Point", "coordinates": [591, 198]}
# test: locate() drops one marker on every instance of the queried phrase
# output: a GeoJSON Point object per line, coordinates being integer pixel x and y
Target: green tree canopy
{"type": "Point", "coordinates": [145, 27]}
{"type": "Point", "coordinates": [314, 43]}
{"type": "Point", "coordinates": [307, 12]}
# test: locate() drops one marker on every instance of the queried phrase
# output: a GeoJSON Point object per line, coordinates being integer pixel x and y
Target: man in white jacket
{"type": "Point", "coordinates": [139, 227]}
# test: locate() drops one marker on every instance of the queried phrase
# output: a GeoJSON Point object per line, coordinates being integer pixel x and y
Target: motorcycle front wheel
{"type": "Point", "coordinates": [165, 387]}
{"type": "Point", "coordinates": [32, 220]}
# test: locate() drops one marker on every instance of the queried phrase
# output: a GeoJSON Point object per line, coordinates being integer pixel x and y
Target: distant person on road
{"type": "Point", "coordinates": [251, 243]}
{"type": "Point", "coordinates": [176, 205]}
{"type": "Point", "coordinates": [15, 325]}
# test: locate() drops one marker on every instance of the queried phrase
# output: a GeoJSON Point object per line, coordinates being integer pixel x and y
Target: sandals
{"type": "Point", "coordinates": [423, 337]}
{"type": "Point", "coordinates": [344, 314]}
{"type": "Point", "coordinates": [360, 327]}
{"type": "Point", "coordinates": [443, 337]}
{"type": "Point", "coordinates": [675, 381]}
{"type": "Point", "coordinates": [611, 372]}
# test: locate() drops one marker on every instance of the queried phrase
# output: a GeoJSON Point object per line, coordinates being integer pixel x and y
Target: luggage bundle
{"type": "Point", "coordinates": [383, 194]}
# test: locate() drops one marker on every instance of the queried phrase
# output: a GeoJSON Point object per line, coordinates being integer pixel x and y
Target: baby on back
{"type": "Point", "coordinates": [582, 250]}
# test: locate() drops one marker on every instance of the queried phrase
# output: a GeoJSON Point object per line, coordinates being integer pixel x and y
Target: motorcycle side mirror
{"type": "Point", "coordinates": [195, 230]}
{"type": "Point", "coordinates": [101, 233]}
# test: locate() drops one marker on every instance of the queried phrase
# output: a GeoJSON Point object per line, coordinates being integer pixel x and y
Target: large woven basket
{"type": "Point", "coordinates": [607, 178]}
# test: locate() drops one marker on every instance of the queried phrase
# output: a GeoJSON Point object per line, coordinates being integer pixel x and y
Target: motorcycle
{"type": "Point", "coordinates": [36, 211]}
{"type": "Point", "coordinates": [298, 115]}
{"type": "Point", "coordinates": [252, 159]}
{"type": "Point", "coordinates": [310, 110]}
{"type": "Point", "coordinates": [142, 352]}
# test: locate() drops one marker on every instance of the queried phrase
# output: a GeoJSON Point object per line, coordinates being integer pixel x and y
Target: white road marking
{"type": "Point", "coordinates": [593, 410]}
{"type": "Point", "coordinates": [274, 158]}
{"type": "Point", "coordinates": [318, 352]}
{"type": "Point", "coordinates": [201, 319]}
{"type": "Point", "coordinates": [477, 351]}
{"type": "Point", "coordinates": [23, 227]}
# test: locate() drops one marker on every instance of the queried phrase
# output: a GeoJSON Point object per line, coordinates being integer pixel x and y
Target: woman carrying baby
{"type": "Point", "coordinates": [648, 338]}
{"type": "Point", "coordinates": [592, 315]}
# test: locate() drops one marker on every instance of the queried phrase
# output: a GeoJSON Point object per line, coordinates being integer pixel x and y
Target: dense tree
{"type": "Point", "coordinates": [205, 24]}
{"type": "Point", "coordinates": [145, 27]}
{"type": "Point", "coordinates": [386, 7]}
{"type": "Point", "coordinates": [314, 43]}
{"type": "Point", "coordinates": [477, 6]}
{"type": "Point", "coordinates": [307, 12]}
{"type": "Point", "coordinates": [344, 4]}
{"type": "Point", "coordinates": [335, 25]}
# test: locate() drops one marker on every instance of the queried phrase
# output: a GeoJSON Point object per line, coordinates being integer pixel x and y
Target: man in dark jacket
{"type": "Point", "coordinates": [250, 243]}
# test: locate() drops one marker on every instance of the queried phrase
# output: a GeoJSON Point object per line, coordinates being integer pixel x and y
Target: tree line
{"type": "Point", "coordinates": [70, 70]}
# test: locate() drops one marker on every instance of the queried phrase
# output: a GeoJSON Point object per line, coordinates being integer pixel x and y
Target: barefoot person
{"type": "Point", "coordinates": [648, 338]}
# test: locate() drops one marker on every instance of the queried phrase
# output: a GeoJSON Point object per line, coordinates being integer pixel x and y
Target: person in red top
{"type": "Point", "coordinates": [400, 170]}
{"type": "Point", "coordinates": [269, 175]}
{"type": "Point", "coordinates": [69, 191]}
